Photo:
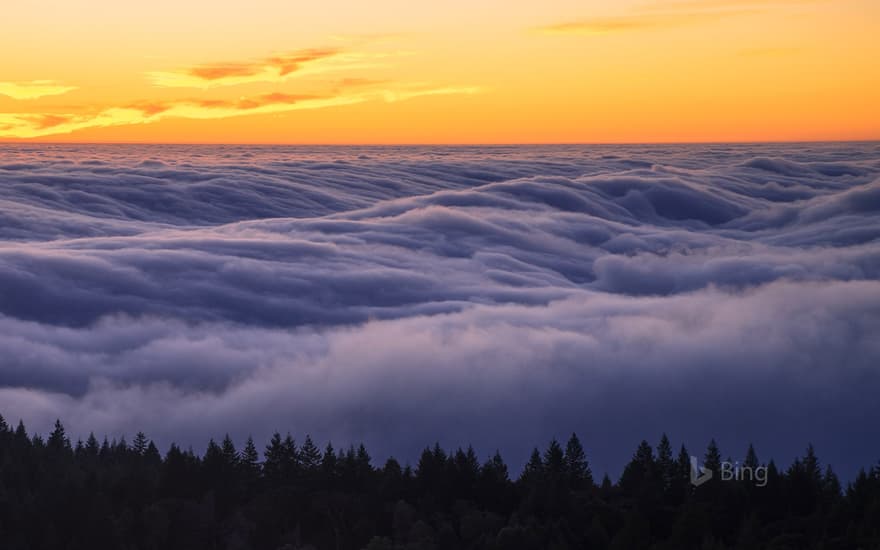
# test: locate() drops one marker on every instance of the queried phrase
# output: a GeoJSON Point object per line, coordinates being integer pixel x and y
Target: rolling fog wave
{"type": "Point", "coordinates": [486, 294]}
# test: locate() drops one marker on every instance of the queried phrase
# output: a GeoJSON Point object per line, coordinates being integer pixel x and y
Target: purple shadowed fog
{"type": "Point", "coordinates": [493, 295]}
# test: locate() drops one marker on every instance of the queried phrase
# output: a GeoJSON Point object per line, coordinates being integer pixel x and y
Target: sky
{"type": "Point", "coordinates": [396, 71]}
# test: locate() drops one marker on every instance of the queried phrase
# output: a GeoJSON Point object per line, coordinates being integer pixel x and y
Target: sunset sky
{"type": "Point", "coordinates": [458, 71]}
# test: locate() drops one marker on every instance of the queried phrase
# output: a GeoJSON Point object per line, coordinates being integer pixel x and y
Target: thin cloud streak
{"type": "Point", "coordinates": [349, 89]}
{"type": "Point", "coordinates": [33, 89]}
{"type": "Point", "coordinates": [667, 15]}
{"type": "Point", "coordinates": [768, 51]}
{"type": "Point", "coordinates": [724, 4]}
{"type": "Point", "coordinates": [273, 69]}
{"type": "Point", "coordinates": [34, 125]}
{"type": "Point", "coordinates": [638, 22]}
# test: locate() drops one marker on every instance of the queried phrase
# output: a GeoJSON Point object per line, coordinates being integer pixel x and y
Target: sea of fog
{"type": "Point", "coordinates": [400, 296]}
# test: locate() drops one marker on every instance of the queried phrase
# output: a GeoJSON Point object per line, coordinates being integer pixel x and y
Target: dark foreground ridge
{"type": "Point", "coordinates": [117, 495]}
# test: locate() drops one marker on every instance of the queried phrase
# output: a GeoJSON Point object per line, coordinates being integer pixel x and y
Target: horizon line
{"type": "Point", "coordinates": [443, 144]}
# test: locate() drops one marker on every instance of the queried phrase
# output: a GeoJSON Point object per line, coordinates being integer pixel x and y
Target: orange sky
{"type": "Point", "coordinates": [457, 71]}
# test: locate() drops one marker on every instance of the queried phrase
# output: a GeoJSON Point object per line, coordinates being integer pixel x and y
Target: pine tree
{"type": "Point", "coordinates": [639, 475]}
{"type": "Point", "coordinates": [645, 455]}
{"type": "Point", "coordinates": [106, 450]}
{"type": "Point", "coordinates": [310, 455]}
{"type": "Point", "coordinates": [329, 462]}
{"type": "Point", "coordinates": [812, 468]}
{"type": "Point", "coordinates": [92, 446]}
{"type": "Point", "coordinates": [712, 460]}
{"type": "Point", "coordinates": [682, 480]}
{"type": "Point", "coordinates": [58, 441]}
{"type": "Point", "coordinates": [230, 454]}
{"type": "Point", "coordinates": [213, 454]}
{"type": "Point", "coordinates": [576, 465]}
{"type": "Point", "coordinates": [495, 468]}
{"type": "Point", "coordinates": [139, 445]}
{"type": "Point", "coordinates": [348, 466]}
{"type": "Point", "coordinates": [290, 457]}
{"type": "Point", "coordinates": [472, 463]}
{"type": "Point", "coordinates": [250, 458]}
{"type": "Point", "coordinates": [751, 460]}
{"type": "Point", "coordinates": [554, 459]}
{"type": "Point", "coordinates": [466, 469]}
{"type": "Point", "coordinates": [665, 464]}
{"type": "Point", "coordinates": [151, 455]}
{"type": "Point", "coordinates": [831, 485]}
{"type": "Point", "coordinates": [465, 463]}
{"type": "Point", "coordinates": [431, 470]}
{"type": "Point", "coordinates": [363, 462]}
{"type": "Point", "coordinates": [273, 465]}
{"type": "Point", "coordinates": [182, 500]}
{"type": "Point", "coordinates": [683, 464]}
{"type": "Point", "coordinates": [20, 432]}
{"type": "Point", "coordinates": [392, 468]}
{"type": "Point", "coordinates": [534, 469]}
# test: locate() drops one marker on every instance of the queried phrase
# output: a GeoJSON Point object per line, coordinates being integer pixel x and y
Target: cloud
{"type": "Point", "coordinates": [668, 5]}
{"type": "Point", "coordinates": [35, 125]}
{"type": "Point", "coordinates": [349, 90]}
{"type": "Point", "coordinates": [768, 51]}
{"type": "Point", "coordinates": [497, 295]}
{"type": "Point", "coordinates": [33, 89]}
{"type": "Point", "coordinates": [274, 69]}
{"type": "Point", "coordinates": [634, 22]}
{"type": "Point", "coordinates": [613, 368]}
{"type": "Point", "coordinates": [663, 15]}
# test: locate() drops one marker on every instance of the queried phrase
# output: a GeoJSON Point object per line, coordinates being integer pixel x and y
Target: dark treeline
{"type": "Point", "coordinates": [121, 495]}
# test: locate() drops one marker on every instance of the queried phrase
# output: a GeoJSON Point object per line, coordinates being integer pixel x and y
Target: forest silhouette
{"type": "Point", "coordinates": [288, 495]}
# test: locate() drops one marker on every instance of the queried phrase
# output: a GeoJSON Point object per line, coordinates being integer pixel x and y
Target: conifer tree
{"type": "Point", "coordinates": [213, 454]}
{"type": "Point", "coordinates": [812, 467]}
{"type": "Point", "coordinates": [683, 463]}
{"type": "Point", "coordinates": [58, 440]}
{"type": "Point", "coordinates": [151, 454]}
{"type": "Point", "coordinates": [329, 462]}
{"type": "Point", "coordinates": [250, 458]}
{"type": "Point", "coordinates": [554, 459]}
{"type": "Point", "coordinates": [831, 485]}
{"type": "Point", "coordinates": [576, 465]}
{"type": "Point", "coordinates": [712, 460]}
{"type": "Point", "coordinates": [273, 463]}
{"type": "Point", "coordinates": [311, 456]}
{"type": "Point", "coordinates": [182, 501]}
{"type": "Point", "coordinates": [495, 468]}
{"type": "Point", "coordinates": [751, 460]}
{"type": "Point", "coordinates": [290, 457]}
{"type": "Point", "coordinates": [230, 454]}
{"type": "Point", "coordinates": [20, 432]}
{"type": "Point", "coordinates": [139, 445]}
{"type": "Point", "coordinates": [105, 449]}
{"type": "Point", "coordinates": [534, 469]}
{"type": "Point", "coordinates": [606, 484]}
{"type": "Point", "coordinates": [92, 446]}
{"type": "Point", "coordinates": [640, 474]}
{"type": "Point", "coordinates": [665, 464]}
